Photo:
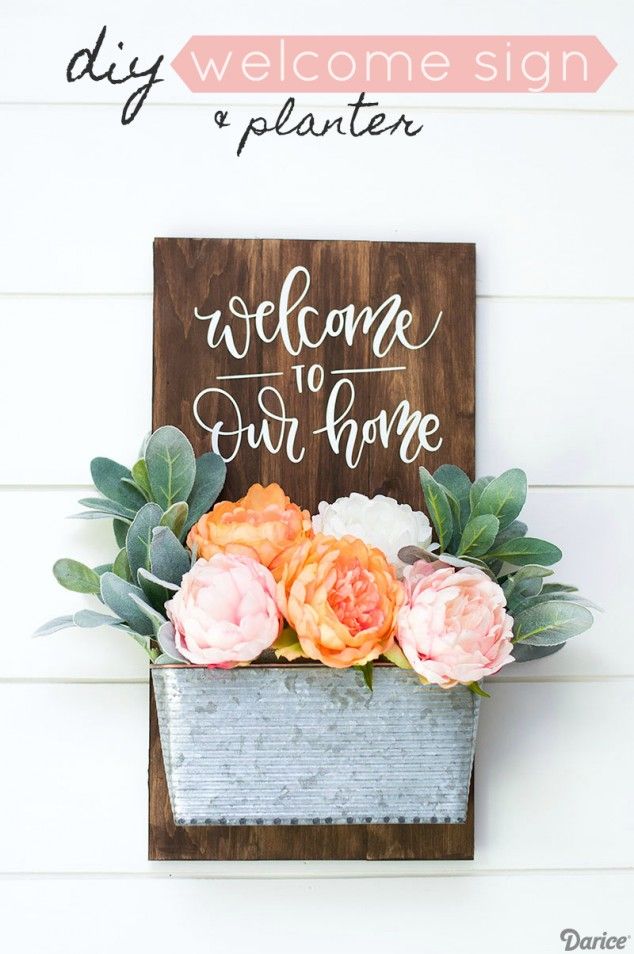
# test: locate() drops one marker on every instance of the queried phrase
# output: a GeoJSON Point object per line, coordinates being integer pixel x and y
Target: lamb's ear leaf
{"type": "Point", "coordinates": [139, 537]}
{"type": "Point", "coordinates": [527, 581]}
{"type": "Point", "coordinates": [412, 554]}
{"type": "Point", "coordinates": [169, 560]}
{"type": "Point", "coordinates": [439, 509]}
{"type": "Point", "coordinates": [151, 578]}
{"type": "Point", "coordinates": [503, 497]}
{"type": "Point", "coordinates": [141, 478]}
{"type": "Point", "coordinates": [54, 626]}
{"type": "Point", "coordinates": [211, 472]}
{"type": "Point", "coordinates": [171, 466]}
{"type": "Point", "coordinates": [76, 576]}
{"type": "Point", "coordinates": [167, 643]}
{"type": "Point", "coordinates": [89, 619]}
{"type": "Point", "coordinates": [155, 617]}
{"type": "Point", "coordinates": [111, 508]}
{"type": "Point", "coordinates": [117, 594]}
{"type": "Point", "coordinates": [526, 550]}
{"type": "Point", "coordinates": [549, 624]}
{"type": "Point", "coordinates": [121, 565]}
{"type": "Point", "coordinates": [457, 482]}
{"type": "Point", "coordinates": [523, 652]}
{"type": "Point", "coordinates": [478, 535]}
{"type": "Point", "coordinates": [109, 478]}
{"type": "Point", "coordinates": [120, 529]}
{"type": "Point", "coordinates": [155, 592]}
{"type": "Point", "coordinates": [514, 530]}
{"type": "Point", "coordinates": [175, 518]}
{"type": "Point", "coordinates": [477, 488]}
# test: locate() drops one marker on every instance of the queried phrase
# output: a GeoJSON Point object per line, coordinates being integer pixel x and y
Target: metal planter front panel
{"type": "Point", "coordinates": [301, 745]}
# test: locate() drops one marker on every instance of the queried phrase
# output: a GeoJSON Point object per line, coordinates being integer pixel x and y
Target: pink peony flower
{"type": "Point", "coordinates": [225, 613]}
{"type": "Point", "coordinates": [453, 627]}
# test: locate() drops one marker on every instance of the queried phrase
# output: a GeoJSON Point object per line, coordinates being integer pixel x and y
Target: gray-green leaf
{"type": "Point", "coordinates": [175, 518]}
{"type": "Point", "coordinates": [503, 497]}
{"type": "Point", "coordinates": [171, 466]}
{"type": "Point", "coordinates": [110, 507]}
{"type": "Point", "coordinates": [121, 565]}
{"type": "Point", "coordinates": [166, 640]}
{"type": "Point", "coordinates": [514, 530]}
{"type": "Point", "coordinates": [155, 617]}
{"type": "Point", "coordinates": [457, 483]}
{"type": "Point", "coordinates": [141, 478]}
{"type": "Point", "coordinates": [54, 626]}
{"type": "Point", "coordinates": [169, 560]}
{"type": "Point", "coordinates": [107, 476]}
{"type": "Point", "coordinates": [211, 472]}
{"type": "Point", "coordinates": [478, 535]}
{"type": "Point", "coordinates": [525, 550]}
{"type": "Point", "coordinates": [117, 594]}
{"type": "Point", "coordinates": [522, 652]}
{"type": "Point", "coordinates": [438, 507]}
{"type": "Point", "coordinates": [140, 537]}
{"type": "Point", "coordinates": [551, 623]}
{"type": "Point", "coordinates": [477, 489]}
{"type": "Point", "coordinates": [120, 529]}
{"type": "Point", "coordinates": [527, 581]}
{"type": "Point", "coordinates": [76, 576]}
{"type": "Point", "coordinates": [88, 619]}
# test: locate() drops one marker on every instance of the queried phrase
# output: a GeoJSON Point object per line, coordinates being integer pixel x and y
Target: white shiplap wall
{"type": "Point", "coordinates": [544, 186]}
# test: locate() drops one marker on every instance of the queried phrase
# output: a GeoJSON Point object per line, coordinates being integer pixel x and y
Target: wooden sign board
{"type": "Point", "coordinates": [328, 367]}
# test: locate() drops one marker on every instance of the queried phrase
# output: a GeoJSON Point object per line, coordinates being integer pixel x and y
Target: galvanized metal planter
{"type": "Point", "coordinates": [301, 745]}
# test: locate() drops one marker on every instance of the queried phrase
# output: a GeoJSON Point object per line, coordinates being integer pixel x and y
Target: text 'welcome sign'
{"type": "Point", "coordinates": [325, 366]}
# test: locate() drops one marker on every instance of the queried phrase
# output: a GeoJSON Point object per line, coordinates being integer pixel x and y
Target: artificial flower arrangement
{"type": "Point", "coordinates": [219, 585]}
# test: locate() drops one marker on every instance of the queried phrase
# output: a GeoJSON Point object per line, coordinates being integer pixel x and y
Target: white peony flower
{"type": "Point", "coordinates": [379, 521]}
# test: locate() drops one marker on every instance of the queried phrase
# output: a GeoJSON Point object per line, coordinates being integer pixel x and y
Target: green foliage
{"type": "Point", "coordinates": [440, 513]}
{"type": "Point", "coordinates": [478, 535]}
{"type": "Point", "coordinates": [152, 507]}
{"type": "Point", "coordinates": [167, 474]}
{"type": "Point", "coordinates": [171, 466]}
{"type": "Point", "coordinates": [75, 576]}
{"type": "Point", "coordinates": [551, 622]}
{"type": "Point", "coordinates": [368, 675]}
{"type": "Point", "coordinates": [476, 525]}
{"type": "Point", "coordinates": [175, 518]}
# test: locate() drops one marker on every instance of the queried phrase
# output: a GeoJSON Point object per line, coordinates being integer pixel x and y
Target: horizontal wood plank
{"type": "Point", "coordinates": [75, 782]}
{"type": "Point", "coordinates": [243, 918]}
{"type": "Point", "coordinates": [522, 195]}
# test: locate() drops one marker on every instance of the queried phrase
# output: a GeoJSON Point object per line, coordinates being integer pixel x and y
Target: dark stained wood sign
{"type": "Point", "coordinates": [328, 367]}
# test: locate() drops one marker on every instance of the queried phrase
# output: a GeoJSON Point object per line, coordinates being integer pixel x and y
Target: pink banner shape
{"type": "Point", "coordinates": [394, 64]}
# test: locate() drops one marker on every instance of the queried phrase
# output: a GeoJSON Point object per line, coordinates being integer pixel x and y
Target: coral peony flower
{"type": "Point", "coordinates": [341, 597]}
{"type": "Point", "coordinates": [379, 521]}
{"type": "Point", "coordinates": [225, 613]}
{"type": "Point", "coordinates": [453, 626]}
{"type": "Point", "coordinates": [260, 525]}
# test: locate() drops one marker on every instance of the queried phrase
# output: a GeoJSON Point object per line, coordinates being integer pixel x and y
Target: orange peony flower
{"type": "Point", "coordinates": [260, 525]}
{"type": "Point", "coordinates": [341, 597]}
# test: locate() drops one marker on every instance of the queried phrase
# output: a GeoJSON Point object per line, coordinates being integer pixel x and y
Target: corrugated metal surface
{"type": "Point", "coordinates": [310, 745]}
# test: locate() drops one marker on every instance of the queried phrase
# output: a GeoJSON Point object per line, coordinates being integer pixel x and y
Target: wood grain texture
{"type": "Point", "coordinates": [438, 379]}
